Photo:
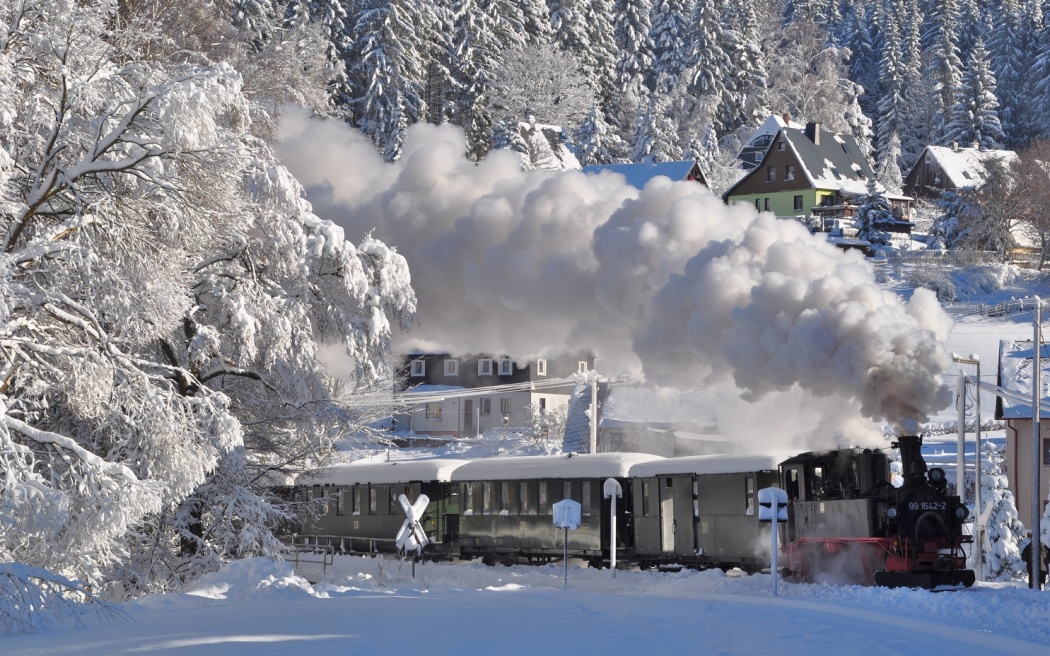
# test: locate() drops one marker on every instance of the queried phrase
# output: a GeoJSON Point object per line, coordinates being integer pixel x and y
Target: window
{"type": "Point", "coordinates": [758, 204]}
{"type": "Point", "coordinates": [451, 367]}
{"type": "Point", "coordinates": [543, 406]}
{"type": "Point", "coordinates": [789, 172]}
{"type": "Point", "coordinates": [1046, 451]}
{"type": "Point", "coordinates": [504, 498]}
{"type": "Point", "coordinates": [433, 412]}
{"type": "Point", "coordinates": [566, 490]}
{"type": "Point", "coordinates": [468, 499]}
{"type": "Point", "coordinates": [484, 367]}
{"type": "Point", "coordinates": [542, 506]}
{"type": "Point", "coordinates": [582, 368]}
{"type": "Point", "coordinates": [798, 203]}
{"type": "Point", "coordinates": [771, 174]}
{"type": "Point", "coordinates": [372, 501]}
{"type": "Point", "coordinates": [541, 367]}
{"type": "Point", "coordinates": [750, 494]}
{"type": "Point", "coordinates": [419, 368]}
{"type": "Point", "coordinates": [645, 498]}
{"type": "Point", "coordinates": [505, 367]}
{"type": "Point", "coordinates": [766, 204]}
{"type": "Point", "coordinates": [827, 201]}
{"type": "Point", "coordinates": [504, 406]}
{"type": "Point", "coordinates": [345, 498]}
{"type": "Point", "coordinates": [395, 505]}
{"type": "Point", "coordinates": [357, 499]}
{"type": "Point", "coordinates": [486, 498]}
{"type": "Point", "coordinates": [780, 145]}
{"type": "Point", "coordinates": [523, 498]}
{"type": "Point", "coordinates": [586, 501]}
{"type": "Point", "coordinates": [486, 406]}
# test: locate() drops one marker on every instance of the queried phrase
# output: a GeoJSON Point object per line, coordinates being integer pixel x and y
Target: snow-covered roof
{"type": "Point", "coordinates": [378, 473]}
{"type": "Point", "coordinates": [1016, 359]}
{"type": "Point", "coordinates": [713, 464]}
{"type": "Point", "coordinates": [638, 175]}
{"type": "Point", "coordinates": [548, 147]}
{"type": "Point", "coordinates": [752, 152]}
{"type": "Point", "coordinates": [837, 162]}
{"type": "Point", "coordinates": [966, 167]}
{"type": "Point", "coordinates": [631, 404]}
{"type": "Point", "coordinates": [584, 465]}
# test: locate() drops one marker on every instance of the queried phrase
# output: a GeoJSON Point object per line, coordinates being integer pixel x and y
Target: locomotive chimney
{"type": "Point", "coordinates": [912, 462]}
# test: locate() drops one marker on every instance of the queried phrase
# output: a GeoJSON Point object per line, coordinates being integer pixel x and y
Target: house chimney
{"type": "Point", "coordinates": [976, 145]}
{"type": "Point", "coordinates": [955, 146]}
{"type": "Point", "coordinates": [813, 132]}
{"type": "Point", "coordinates": [786, 117]}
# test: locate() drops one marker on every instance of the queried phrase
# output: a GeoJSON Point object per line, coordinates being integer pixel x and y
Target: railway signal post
{"type": "Point", "coordinates": [772, 507]}
{"type": "Point", "coordinates": [567, 515]}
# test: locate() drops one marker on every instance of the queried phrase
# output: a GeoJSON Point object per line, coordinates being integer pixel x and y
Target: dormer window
{"type": "Point", "coordinates": [541, 367]}
{"type": "Point", "coordinates": [419, 368]}
{"type": "Point", "coordinates": [505, 367]}
{"type": "Point", "coordinates": [582, 368]}
{"type": "Point", "coordinates": [451, 367]}
{"type": "Point", "coordinates": [484, 367]}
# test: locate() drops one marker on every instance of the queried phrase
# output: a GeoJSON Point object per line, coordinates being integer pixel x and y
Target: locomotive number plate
{"type": "Point", "coordinates": [928, 505]}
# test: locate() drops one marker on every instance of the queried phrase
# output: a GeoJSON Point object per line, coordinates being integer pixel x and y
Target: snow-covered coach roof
{"type": "Point", "coordinates": [378, 473]}
{"type": "Point", "coordinates": [584, 465]}
{"type": "Point", "coordinates": [712, 464]}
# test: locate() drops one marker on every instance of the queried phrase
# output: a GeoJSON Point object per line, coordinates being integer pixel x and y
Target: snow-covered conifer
{"type": "Point", "coordinates": [974, 117]}
{"type": "Point", "coordinates": [874, 219]}
{"type": "Point", "coordinates": [1004, 530]}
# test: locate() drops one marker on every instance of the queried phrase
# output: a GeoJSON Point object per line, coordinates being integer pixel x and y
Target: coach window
{"type": "Point", "coordinates": [372, 499]}
{"type": "Point", "coordinates": [585, 499]}
{"type": "Point", "coordinates": [542, 505]}
{"type": "Point", "coordinates": [486, 498]}
{"type": "Point", "coordinates": [345, 495]}
{"type": "Point", "coordinates": [645, 498]}
{"type": "Point", "coordinates": [566, 490]}
{"type": "Point", "coordinates": [468, 499]}
{"type": "Point", "coordinates": [395, 505]}
{"type": "Point", "coordinates": [523, 498]}
{"type": "Point", "coordinates": [750, 494]}
{"type": "Point", "coordinates": [357, 500]}
{"type": "Point", "coordinates": [504, 499]}
{"type": "Point", "coordinates": [1046, 452]}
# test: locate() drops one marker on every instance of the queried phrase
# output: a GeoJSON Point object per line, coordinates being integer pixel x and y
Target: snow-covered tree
{"type": "Point", "coordinates": [164, 288]}
{"type": "Point", "coordinates": [1004, 530]}
{"type": "Point", "coordinates": [655, 136]}
{"type": "Point", "coordinates": [974, 117]}
{"type": "Point", "coordinates": [595, 141]}
{"type": "Point", "coordinates": [874, 219]}
{"type": "Point", "coordinates": [387, 71]}
{"type": "Point", "coordinates": [669, 33]}
{"type": "Point", "coordinates": [543, 82]}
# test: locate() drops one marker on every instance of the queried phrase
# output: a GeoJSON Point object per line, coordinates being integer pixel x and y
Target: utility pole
{"type": "Point", "coordinates": [1037, 452]}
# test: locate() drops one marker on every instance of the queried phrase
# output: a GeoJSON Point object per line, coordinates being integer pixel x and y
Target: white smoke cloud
{"type": "Point", "coordinates": [667, 280]}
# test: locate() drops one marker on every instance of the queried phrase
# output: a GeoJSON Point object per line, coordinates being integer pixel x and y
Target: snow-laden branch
{"type": "Point", "coordinates": [66, 444]}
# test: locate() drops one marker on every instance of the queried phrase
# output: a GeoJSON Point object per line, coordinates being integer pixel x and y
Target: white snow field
{"type": "Point", "coordinates": [374, 606]}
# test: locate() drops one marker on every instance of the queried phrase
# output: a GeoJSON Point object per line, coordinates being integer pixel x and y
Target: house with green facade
{"type": "Point", "coordinates": [812, 175]}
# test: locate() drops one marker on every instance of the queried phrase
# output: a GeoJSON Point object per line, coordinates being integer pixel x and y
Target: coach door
{"type": "Point", "coordinates": [668, 526]}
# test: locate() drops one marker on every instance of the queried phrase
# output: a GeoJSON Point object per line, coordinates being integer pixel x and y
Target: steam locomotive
{"type": "Point", "coordinates": [846, 522]}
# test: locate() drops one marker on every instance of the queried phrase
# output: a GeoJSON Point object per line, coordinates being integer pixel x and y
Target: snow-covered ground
{"type": "Point", "coordinates": [374, 606]}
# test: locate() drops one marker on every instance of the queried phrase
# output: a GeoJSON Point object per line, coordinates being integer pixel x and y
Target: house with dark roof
{"type": "Point", "coordinates": [939, 169]}
{"type": "Point", "coordinates": [815, 176]}
{"type": "Point", "coordinates": [469, 394]}
{"type": "Point", "coordinates": [638, 175]}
